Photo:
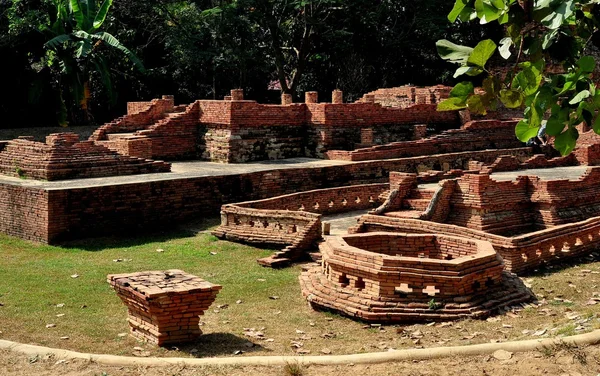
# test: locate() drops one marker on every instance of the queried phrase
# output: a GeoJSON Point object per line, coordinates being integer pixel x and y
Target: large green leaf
{"type": "Point", "coordinates": [566, 141]}
{"type": "Point", "coordinates": [486, 11]}
{"type": "Point", "coordinates": [475, 105]}
{"type": "Point", "coordinates": [58, 40]}
{"type": "Point", "coordinates": [524, 132]}
{"type": "Point", "coordinates": [101, 15]}
{"type": "Point", "coordinates": [453, 52]}
{"type": "Point", "coordinates": [584, 94]}
{"type": "Point", "coordinates": [511, 98]}
{"type": "Point", "coordinates": [458, 8]}
{"type": "Point", "coordinates": [77, 12]}
{"type": "Point", "coordinates": [481, 53]}
{"type": "Point", "coordinates": [462, 90]}
{"type": "Point", "coordinates": [587, 64]}
{"type": "Point", "coordinates": [452, 104]}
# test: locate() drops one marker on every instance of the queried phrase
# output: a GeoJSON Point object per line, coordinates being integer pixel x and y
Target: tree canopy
{"type": "Point", "coordinates": [89, 57]}
{"type": "Point", "coordinates": [550, 48]}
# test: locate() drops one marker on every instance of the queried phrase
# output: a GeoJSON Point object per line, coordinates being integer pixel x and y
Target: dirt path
{"type": "Point", "coordinates": [556, 361]}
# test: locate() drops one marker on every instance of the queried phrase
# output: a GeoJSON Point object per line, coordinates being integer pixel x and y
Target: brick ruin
{"type": "Point", "coordinates": [294, 220]}
{"type": "Point", "coordinates": [388, 277]}
{"type": "Point", "coordinates": [235, 130]}
{"type": "Point", "coordinates": [63, 156]}
{"type": "Point", "coordinates": [442, 235]}
{"type": "Point", "coordinates": [164, 306]}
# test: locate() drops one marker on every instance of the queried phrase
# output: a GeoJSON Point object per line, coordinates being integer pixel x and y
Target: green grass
{"type": "Point", "coordinates": [36, 278]}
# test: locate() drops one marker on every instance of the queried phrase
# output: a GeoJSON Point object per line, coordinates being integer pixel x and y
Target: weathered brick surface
{"type": "Point", "coordinates": [405, 96]}
{"type": "Point", "coordinates": [64, 157]}
{"type": "Point", "coordinates": [164, 306]}
{"type": "Point", "coordinates": [24, 212]}
{"type": "Point", "coordinates": [105, 210]}
{"type": "Point", "coordinates": [520, 253]}
{"type": "Point", "coordinates": [393, 277]}
{"type": "Point", "coordinates": [474, 135]}
{"type": "Point", "coordinates": [292, 220]}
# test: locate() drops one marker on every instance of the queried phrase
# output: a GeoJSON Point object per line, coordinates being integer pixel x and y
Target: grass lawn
{"type": "Point", "coordinates": [37, 289]}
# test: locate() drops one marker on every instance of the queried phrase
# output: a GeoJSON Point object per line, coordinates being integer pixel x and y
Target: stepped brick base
{"type": "Point", "coordinates": [387, 277]}
{"type": "Point", "coordinates": [323, 294]}
{"type": "Point", "coordinates": [164, 305]}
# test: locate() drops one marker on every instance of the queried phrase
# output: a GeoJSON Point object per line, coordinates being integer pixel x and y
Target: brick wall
{"type": "Point", "coordinates": [520, 253]}
{"type": "Point", "coordinates": [101, 210]}
{"type": "Point", "coordinates": [24, 212]}
{"type": "Point", "coordinates": [475, 135]}
{"type": "Point", "coordinates": [63, 157]}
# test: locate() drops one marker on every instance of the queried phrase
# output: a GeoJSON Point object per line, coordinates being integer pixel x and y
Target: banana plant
{"type": "Point", "coordinates": [76, 49]}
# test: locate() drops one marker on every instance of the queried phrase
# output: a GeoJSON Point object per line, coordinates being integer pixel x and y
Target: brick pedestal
{"type": "Point", "coordinates": [164, 305]}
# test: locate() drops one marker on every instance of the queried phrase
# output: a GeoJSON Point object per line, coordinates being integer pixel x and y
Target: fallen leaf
{"type": "Point", "coordinates": [238, 301]}
{"type": "Point", "coordinates": [60, 315]}
{"type": "Point", "coordinates": [296, 344]}
{"type": "Point", "coordinates": [160, 250]}
{"type": "Point", "coordinates": [273, 297]}
{"type": "Point", "coordinates": [326, 351]}
{"type": "Point", "coordinates": [74, 275]}
{"type": "Point", "coordinates": [223, 306]}
{"type": "Point", "coordinates": [137, 348]}
{"type": "Point", "coordinates": [302, 351]}
{"type": "Point", "coordinates": [299, 331]}
{"type": "Point", "coordinates": [50, 325]}
{"type": "Point", "coordinates": [64, 338]}
{"type": "Point", "coordinates": [261, 280]}
{"type": "Point", "coordinates": [540, 332]}
{"type": "Point", "coordinates": [213, 253]}
{"type": "Point", "coordinates": [60, 305]}
{"type": "Point", "coordinates": [238, 352]}
{"type": "Point", "coordinates": [122, 334]}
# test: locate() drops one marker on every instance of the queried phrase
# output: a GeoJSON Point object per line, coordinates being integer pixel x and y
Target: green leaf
{"type": "Point", "coordinates": [57, 41]}
{"type": "Point", "coordinates": [469, 71]}
{"type": "Point", "coordinates": [75, 6]}
{"type": "Point", "coordinates": [462, 90]}
{"type": "Point", "coordinates": [524, 132]}
{"type": "Point", "coordinates": [511, 98]}
{"type": "Point", "coordinates": [486, 12]}
{"type": "Point", "coordinates": [481, 53]}
{"type": "Point", "coordinates": [475, 105]}
{"type": "Point", "coordinates": [459, 6]}
{"type": "Point", "coordinates": [566, 141]}
{"type": "Point", "coordinates": [584, 94]}
{"type": "Point", "coordinates": [596, 125]}
{"type": "Point", "coordinates": [453, 52]}
{"type": "Point", "coordinates": [451, 104]}
{"type": "Point", "coordinates": [504, 49]}
{"type": "Point", "coordinates": [556, 123]}
{"type": "Point", "coordinates": [101, 15]}
{"type": "Point", "coordinates": [587, 64]}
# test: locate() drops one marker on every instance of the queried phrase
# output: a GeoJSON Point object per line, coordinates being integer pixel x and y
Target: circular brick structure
{"type": "Point", "coordinates": [391, 277]}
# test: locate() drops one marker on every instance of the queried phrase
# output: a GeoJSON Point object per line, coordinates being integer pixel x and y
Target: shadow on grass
{"type": "Point", "coordinates": [215, 344]}
{"type": "Point", "coordinates": [139, 236]}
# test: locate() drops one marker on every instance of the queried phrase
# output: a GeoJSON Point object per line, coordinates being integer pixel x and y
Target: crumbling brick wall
{"type": "Point", "coordinates": [475, 135]}
{"type": "Point", "coordinates": [64, 157]}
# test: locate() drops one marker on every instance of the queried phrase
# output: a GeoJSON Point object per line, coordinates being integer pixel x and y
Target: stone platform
{"type": "Point", "coordinates": [164, 306]}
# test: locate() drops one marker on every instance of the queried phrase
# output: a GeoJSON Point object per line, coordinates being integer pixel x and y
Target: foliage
{"type": "Point", "coordinates": [539, 36]}
{"type": "Point", "coordinates": [76, 47]}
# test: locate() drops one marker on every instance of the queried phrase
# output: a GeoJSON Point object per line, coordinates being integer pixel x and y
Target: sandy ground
{"type": "Point", "coordinates": [556, 361]}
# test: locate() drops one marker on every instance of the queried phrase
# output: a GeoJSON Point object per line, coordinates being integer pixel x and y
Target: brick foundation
{"type": "Point", "coordinates": [386, 277]}
{"type": "Point", "coordinates": [64, 157]}
{"type": "Point", "coordinates": [164, 306]}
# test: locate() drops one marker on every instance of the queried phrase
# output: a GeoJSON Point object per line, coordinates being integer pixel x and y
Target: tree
{"type": "Point", "coordinates": [540, 35]}
{"type": "Point", "coordinates": [76, 49]}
